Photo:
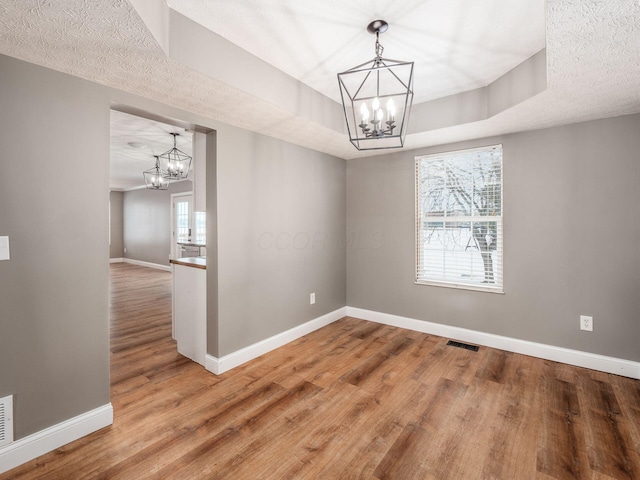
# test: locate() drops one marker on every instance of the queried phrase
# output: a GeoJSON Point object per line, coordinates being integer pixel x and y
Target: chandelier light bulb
{"type": "Point", "coordinates": [376, 104]}
{"type": "Point", "coordinates": [364, 114]}
{"type": "Point", "coordinates": [391, 110]}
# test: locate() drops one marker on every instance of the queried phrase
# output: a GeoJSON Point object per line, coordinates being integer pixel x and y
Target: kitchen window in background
{"type": "Point", "coordinates": [459, 240]}
{"type": "Point", "coordinates": [200, 227]}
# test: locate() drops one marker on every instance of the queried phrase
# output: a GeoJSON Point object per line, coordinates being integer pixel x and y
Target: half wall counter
{"type": "Point", "coordinates": [189, 304]}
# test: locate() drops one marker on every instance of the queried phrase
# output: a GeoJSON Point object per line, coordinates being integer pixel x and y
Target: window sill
{"type": "Point", "coordinates": [461, 286]}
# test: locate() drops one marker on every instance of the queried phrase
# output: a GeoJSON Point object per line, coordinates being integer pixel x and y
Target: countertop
{"type": "Point", "coordinates": [195, 262]}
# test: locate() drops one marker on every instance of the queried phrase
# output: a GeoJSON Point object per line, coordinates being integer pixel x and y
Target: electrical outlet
{"type": "Point", "coordinates": [312, 298]}
{"type": "Point", "coordinates": [586, 323]}
{"type": "Point", "coordinates": [125, 250]}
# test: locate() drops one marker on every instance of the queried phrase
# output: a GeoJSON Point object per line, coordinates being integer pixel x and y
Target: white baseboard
{"type": "Point", "coordinates": [603, 363]}
{"type": "Point", "coordinates": [593, 361]}
{"type": "Point", "coordinates": [116, 260]}
{"type": "Point", "coordinates": [226, 363]}
{"type": "Point", "coordinates": [166, 268]}
{"type": "Point", "coordinates": [44, 441]}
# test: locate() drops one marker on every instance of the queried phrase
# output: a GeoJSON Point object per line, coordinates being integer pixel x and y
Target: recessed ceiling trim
{"type": "Point", "coordinates": [200, 49]}
{"type": "Point", "coordinates": [525, 81]}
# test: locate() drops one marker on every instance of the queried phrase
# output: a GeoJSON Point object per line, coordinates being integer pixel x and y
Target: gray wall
{"type": "Point", "coordinates": [281, 229]}
{"type": "Point", "coordinates": [571, 230]}
{"type": "Point", "coordinates": [147, 222]}
{"type": "Point", "coordinates": [116, 248]}
{"type": "Point", "coordinates": [54, 340]}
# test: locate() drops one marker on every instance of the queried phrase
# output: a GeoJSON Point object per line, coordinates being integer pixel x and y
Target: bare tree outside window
{"type": "Point", "coordinates": [459, 218]}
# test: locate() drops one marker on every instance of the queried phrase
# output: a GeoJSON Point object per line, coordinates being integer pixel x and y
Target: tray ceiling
{"type": "Point", "coordinates": [456, 45]}
{"type": "Point", "coordinates": [591, 57]}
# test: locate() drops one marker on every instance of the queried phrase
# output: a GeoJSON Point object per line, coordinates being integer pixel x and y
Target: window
{"type": "Point", "coordinates": [459, 219]}
{"type": "Point", "coordinates": [183, 221]}
{"type": "Point", "coordinates": [201, 227]}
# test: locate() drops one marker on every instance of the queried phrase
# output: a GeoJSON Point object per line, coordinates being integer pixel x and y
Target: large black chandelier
{"type": "Point", "coordinates": [377, 97]}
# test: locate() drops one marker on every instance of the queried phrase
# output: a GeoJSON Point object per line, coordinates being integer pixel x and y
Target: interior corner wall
{"type": "Point", "coordinates": [281, 229]}
{"type": "Point", "coordinates": [54, 345]}
{"type": "Point", "coordinates": [571, 230]}
{"type": "Point", "coordinates": [147, 223]}
{"type": "Point", "coordinates": [116, 249]}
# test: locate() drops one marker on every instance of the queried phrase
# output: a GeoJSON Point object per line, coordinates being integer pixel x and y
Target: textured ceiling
{"type": "Point", "coordinates": [134, 142]}
{"type": "Point", "coordinates": [456, 45]}
{"type": "Point", "coordinates": [592, 53]}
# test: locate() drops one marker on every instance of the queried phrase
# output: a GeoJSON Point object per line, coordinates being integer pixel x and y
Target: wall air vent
{"type": "Point", "coordinates": [466, 346]}
{"type": "Point", "coordinates": [6, 420]}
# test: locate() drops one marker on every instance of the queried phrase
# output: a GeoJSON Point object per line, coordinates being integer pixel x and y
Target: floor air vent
{"type": "Point", "coordinates": [6, 420]}
{"type": "Point", "coordinates": [466, 346]}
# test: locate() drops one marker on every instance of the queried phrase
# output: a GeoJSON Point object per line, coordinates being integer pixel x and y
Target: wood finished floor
{"type": "Point", "coordinates": [352, 400]}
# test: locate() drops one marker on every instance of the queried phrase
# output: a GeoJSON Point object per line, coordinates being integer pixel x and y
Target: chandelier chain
{"type": "Point", "coordinates": [379, 47]}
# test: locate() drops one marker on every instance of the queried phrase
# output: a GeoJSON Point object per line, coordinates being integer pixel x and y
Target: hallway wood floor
{"type": "Point", "coordinates": [352, 400]}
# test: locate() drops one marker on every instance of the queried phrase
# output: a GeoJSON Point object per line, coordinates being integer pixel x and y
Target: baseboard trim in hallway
{"type": "Point", "coordinates": [140, 263]}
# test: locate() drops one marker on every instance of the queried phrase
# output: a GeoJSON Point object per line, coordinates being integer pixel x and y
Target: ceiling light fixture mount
{"type": "Point", "coordinates": [362, 88]}
{"type": "Point", "coordinates": [155, 178]}
{"type": "Point", "coordinates": [176, 163]}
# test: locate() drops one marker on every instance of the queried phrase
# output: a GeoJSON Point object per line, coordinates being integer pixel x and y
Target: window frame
{"type": "Point", "coordinates": [457, 285]}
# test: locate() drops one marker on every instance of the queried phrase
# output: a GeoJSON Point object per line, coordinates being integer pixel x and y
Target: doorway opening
{"type": "Point", "coordinates": [145, 234]}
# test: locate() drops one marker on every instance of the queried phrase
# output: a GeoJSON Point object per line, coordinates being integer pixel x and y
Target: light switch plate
{"type": "Point", "coordinates": [4, 248]}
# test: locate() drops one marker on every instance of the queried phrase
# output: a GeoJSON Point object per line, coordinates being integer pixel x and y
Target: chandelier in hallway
{"type": "Point", "coordinates": [155, 178]}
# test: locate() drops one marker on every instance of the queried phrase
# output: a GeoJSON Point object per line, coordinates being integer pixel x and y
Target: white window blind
{"type": "Point", "coordinates": [459, 219]}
